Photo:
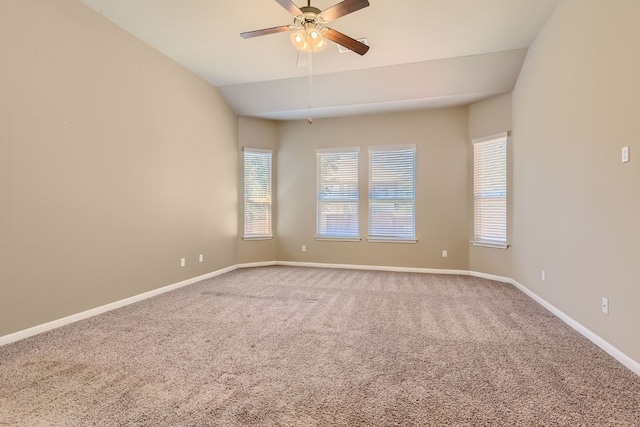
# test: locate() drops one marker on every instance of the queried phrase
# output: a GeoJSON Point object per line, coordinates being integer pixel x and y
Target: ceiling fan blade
{"type": "Point", "coordinates": [343, 8]}
{"type": "Point", "coordinates": [346, 41]}
{"type": "Point", "coordinates": [265, 31]}
{"type": "Point", "coordinates": [292, 8]}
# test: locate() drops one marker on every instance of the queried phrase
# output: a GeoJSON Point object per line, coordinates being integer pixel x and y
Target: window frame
{"type": "Point", "coordinates": [373, 235]}
{"type": "Point", "coordinates": [490, 234]}
{"type": "Point", "coordinates": [268, 197]}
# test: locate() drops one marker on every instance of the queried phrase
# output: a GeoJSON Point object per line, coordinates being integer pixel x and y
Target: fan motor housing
{"type": "Point", "coordinates": [311, 15]}
{"type": "Point", "coordinates": [310, 9]}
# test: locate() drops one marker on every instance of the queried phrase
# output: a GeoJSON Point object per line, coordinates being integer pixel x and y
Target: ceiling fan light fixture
{"type": "Point", "coordinates": [309, 38]}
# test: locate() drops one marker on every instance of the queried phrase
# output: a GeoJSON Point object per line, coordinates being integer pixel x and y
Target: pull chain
{"type": "Point", "coordinates": [310, 88]}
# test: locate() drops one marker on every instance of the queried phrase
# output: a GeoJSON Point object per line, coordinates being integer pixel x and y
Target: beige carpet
{"type": "Point", "coordinates": [286, 346]}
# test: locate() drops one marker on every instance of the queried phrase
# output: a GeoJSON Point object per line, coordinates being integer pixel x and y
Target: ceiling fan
{"type": "Point", "coordinates": [309, 26]}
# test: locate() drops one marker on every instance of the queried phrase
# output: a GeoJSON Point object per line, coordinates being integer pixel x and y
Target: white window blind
{"type": "Point", "coordinates": [392, 193]}
{"type": "Point", "coordinates": [490, 191]}
{"type": "Point", "coordinates": [257, 193]}
{"type": "Point", "coordinates": [338, 194]}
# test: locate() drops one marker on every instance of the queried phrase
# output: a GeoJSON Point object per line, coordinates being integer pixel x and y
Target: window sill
{"type": "Point", "coordinates": [339, 239]}
{"type": "Point", "coordinates": [389, 240]}
{"type": "Point", "coordinates": [491, 245]}
{"type": "Point", "coordinates": [257, 237]}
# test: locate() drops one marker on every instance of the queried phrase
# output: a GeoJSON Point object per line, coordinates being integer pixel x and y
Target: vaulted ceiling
{"type": "Point", "coordinates": [424, 53]}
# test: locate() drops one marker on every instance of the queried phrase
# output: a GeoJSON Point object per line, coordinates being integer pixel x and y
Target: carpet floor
{"type": "Point", "coordinates": [292, 346]}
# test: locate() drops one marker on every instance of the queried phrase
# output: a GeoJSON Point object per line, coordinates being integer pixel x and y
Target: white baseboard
{"type": "Point", "coordinates": [631, 364]}
{"type": "Point", "coordinates": [26, 333]}
{"type": "Point", "coordinates": [372, 267]}
{"type": "Point", "coordinates": [490, 277]}
{"type": "Point", "coordinates": [258, 264]}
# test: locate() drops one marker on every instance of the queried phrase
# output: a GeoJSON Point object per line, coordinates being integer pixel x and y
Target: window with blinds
{"type": "Point", "coordinates": [338, 194]}
{"type": "Point", "coordinates": [490, 191]}
{"type": "Point", "coordinates": [257, 194]}
{"type": "Point", "coordinates": [392, 193]}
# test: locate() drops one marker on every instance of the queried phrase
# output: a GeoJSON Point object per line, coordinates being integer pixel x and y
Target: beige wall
{"type": "Point", "coordinates": [576, 206]}
{"type": "Point", "coordinates": [442, 190]}
{"type": "Point", "coordinates": [263, 134]}
{"type": "Point", "coordinates": [486, 118]}
{"type": "Point", "coordinates": [115, 162]}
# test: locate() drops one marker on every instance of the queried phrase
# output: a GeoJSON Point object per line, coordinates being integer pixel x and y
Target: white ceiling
{"type": "Point", "coordinates": [424, 53]}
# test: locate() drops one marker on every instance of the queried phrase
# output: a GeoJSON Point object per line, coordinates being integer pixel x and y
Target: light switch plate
{"type": "Point", "coordinates": [625, 154]}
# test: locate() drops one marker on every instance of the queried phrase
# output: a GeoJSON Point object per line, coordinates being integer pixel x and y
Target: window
{"type": "Point", "coordinates": [257, 194]}
{"type": "Point", "coordinates": [490, 191]}
{"type": "Point", "coordinates": [392, 193]}
{"type": "Point", "coordinates": [338, 194]}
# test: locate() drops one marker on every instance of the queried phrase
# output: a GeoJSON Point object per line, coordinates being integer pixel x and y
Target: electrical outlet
{"type": "Point", "coordinates": [201, 258]}
{"type": "Point", "coordinates": [445, 254]}
{"type": "Point", "coordinates": [543, 276]}
{"type": "Point", "coordinates": [304, 248]}
{"type": "Point", "coordinates": [625, 154]}
{"type": "Point", "coordinates": [605, 305]}
{"type": "Point", "coordinates": [183, 262]}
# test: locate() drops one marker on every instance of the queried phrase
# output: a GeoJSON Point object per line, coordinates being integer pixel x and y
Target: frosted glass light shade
{"type": "Point", "coordinates": [299, 39]}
